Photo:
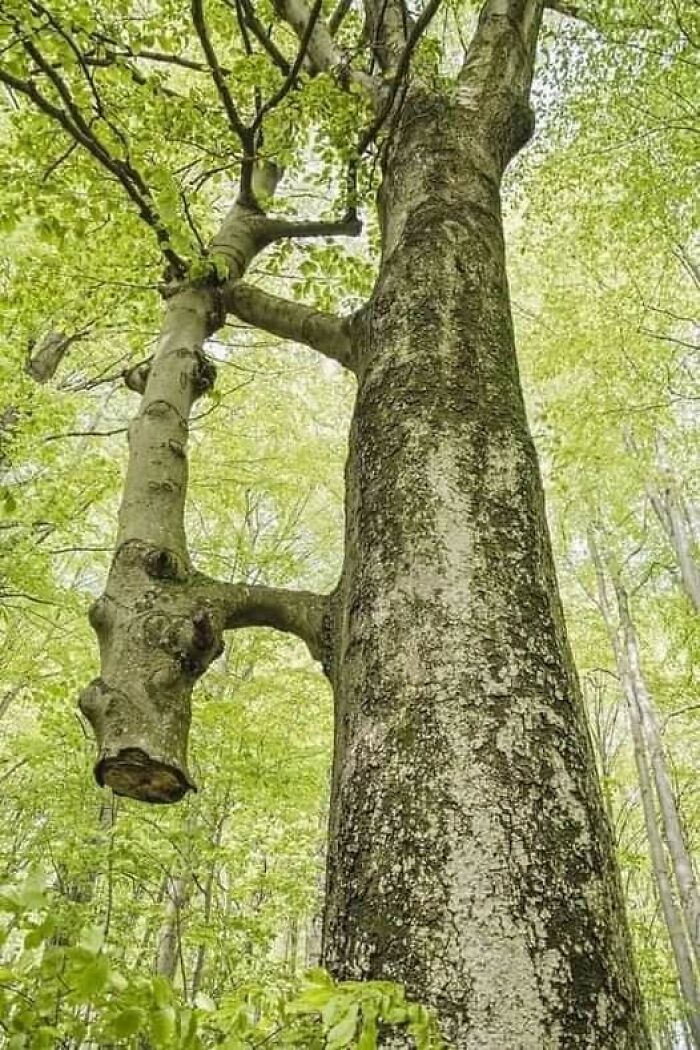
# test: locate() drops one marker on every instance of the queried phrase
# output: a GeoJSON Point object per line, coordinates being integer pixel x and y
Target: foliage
{"type": "Point", "coordinates": [603, 227]}
{"type": "Point", "coordinates": [60, 994]}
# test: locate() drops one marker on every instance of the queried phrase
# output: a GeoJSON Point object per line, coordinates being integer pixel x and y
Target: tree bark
{"type": "Point", "coordinates": [668, 507]}
{"type": "Point", "coordinates": [469, 854]}
{"type": "Point", "coordinates": [159, 623]}
{"type": "Point", "coordinates": [680, 856]}
{"type": "Point", "coordinates": [673, 919]}
{"type": "Point", "coordinates": [624, 645]}
{"type": "Point", "coordinates": [170, 932]}
{"type": "Point", "coordinates": [672, 514]}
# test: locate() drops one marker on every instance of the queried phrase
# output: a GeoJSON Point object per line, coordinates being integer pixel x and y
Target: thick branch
{"type": "Point", "coordinates": [496, 75]}
{"type": "Point", "coordinates": [322, 51]}
{"type": "Point", "coordinates": [291, 77]}
{"type": "Point", "coordinates": [326, 333]}
{"type": "Point", "coordinates": [43, 361]}
{"type": "Point", "coordinates": [417, 32]}
{"type": "Point", "coordinates": [301, 613]}
{"type": "Point", "coordinates": [388, 25]}
{"type": "Point", "coordinates": [510, 24]}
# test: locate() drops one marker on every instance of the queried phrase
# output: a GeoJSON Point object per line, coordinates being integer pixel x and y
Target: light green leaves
{"type": "Point", "coordinates": [353, 1012]}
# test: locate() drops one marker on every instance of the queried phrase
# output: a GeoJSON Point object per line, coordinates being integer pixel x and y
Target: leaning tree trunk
{"type": "Point", "coordinates": [648, 752]}
{"type": "Point", "coordinates": [469, 853]}
{"type": "Point", "coordinates": [668, 507]}
{"type": "Point", "coordinates": [625, 646]}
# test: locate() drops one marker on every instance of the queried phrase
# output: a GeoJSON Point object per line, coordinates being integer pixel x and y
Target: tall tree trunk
{"type": "Point", "coordinates": [469, 856]}
{"type": "Point", "coordinates": [673, 830]}
{"type": "Point", "coordinates": [672, 514]}
{"type": "Point", "coordinates": [208, 901]}
{"type": "Point", "coordinates": [469, 853]}
{"type": "Point", "coordinates": [668, 507]}
{"type": "Point", "coordinates": [170, 932]}
{"type": "Point", "coordinates": [646, 740]}
{"type": "Point", "coordinates": [672, 915]}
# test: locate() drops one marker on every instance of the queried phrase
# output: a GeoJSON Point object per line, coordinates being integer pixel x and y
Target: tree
{"type": "Point", "coordinates": [654, 782]}
{"type": "Point", "coordinates": [469, 855]}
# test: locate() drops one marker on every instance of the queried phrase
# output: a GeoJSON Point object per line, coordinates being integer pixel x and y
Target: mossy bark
{"type": "Point", "coordinates": [469, 855]}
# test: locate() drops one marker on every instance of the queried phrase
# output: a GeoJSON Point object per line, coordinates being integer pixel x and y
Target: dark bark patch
{"type": "Point", "coordinates": [163, 565]}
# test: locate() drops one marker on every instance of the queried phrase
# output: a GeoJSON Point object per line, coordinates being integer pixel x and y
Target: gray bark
{"type": "Point", "coordinates": [624, 644]}
{"type": "Point", "coordinates": [169, 934]}
{"type": "Point", "coordinates": [668, 507]}
{"type": "Point", "coordinates": [159, 623]}
{"type": "Point", "coordinates": [43, 361]}
{"type": "Point", "coordinates": [680, 856]}
{"type": "Point", "coordinates": [673, 918]}
{"type": "Point", "coordinates": [672, 514]}
{"type": "Point", "coordinates": [469, 853]}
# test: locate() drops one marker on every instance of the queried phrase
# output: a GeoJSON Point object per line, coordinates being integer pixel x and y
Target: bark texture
{"type": "Point", "coordinates": [654, 782]}
{"type": "Point", "coordinates": [469, 852]}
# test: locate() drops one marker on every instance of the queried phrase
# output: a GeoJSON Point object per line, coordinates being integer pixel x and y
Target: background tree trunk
{"type": "Point", "coordinates": [648, 750]}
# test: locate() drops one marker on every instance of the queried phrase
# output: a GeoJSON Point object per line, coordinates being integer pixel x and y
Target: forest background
{"type": "Point", "coordinates": [193, 924]}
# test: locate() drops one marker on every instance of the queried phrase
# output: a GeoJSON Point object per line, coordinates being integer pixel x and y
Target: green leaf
{"type": "Point", "coordinates": [343, 1032]}
{"type": "Point", "coordinates": [91, 979]}
{"type": "Point", "coordinates": [163, 1026]}
{"type": "Point", "coordinates": [129, 1021]}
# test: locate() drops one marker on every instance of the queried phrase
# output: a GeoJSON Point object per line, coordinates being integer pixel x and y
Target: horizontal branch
{"type": "Point", "coordinates": [301, 613]}
{"type": "Point", "coordinates": [288, 229]}
{"type": "Point", "coordinates": [325, 333]}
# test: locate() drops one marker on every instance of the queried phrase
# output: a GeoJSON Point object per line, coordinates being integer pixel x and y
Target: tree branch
{"type": "Point", "coordinates": [257, 28]}
{"type": "Point", "coordinates": [301, 613]}
{"type": "Point", "coordinates": [131, 181]}
{"type": "Point", "coordinates": [496, 76]}
{"type": "Point", "coordinates": [291, 77]}
{"type": "Point", "coordinates": [42, 362]}
{"type": "Point", "coordinates": [512, 25]}
{"type": "Point", "coordinates": [325, 333]}
{"type": "Point", "coordinates": [285, 229]}
{"type": "Point", "coordinates": [338, 16]}
{"type": "Point", "coordinates": [325, 56]}
{"type": "Point", "coordinates": [569, 11]}
{"type": "Point", "coordinates": [388, 26]}
{"type": "Point", "coordinates": [218, 75]}
{"type": "Point", "coordinates": [418, 30]}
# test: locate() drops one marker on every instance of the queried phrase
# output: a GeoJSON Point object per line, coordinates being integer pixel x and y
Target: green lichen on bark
{"type": "Point", "coordinates": [469, 852]}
